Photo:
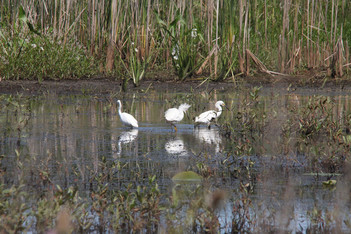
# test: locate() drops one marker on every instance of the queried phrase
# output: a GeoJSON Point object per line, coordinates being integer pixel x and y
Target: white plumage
{"type": "Point", "coordinates": [126, 119]}
{"type": "Point", "coordinates": [175, 115]}
{"type": "Point", "coordinates": [209, 116]}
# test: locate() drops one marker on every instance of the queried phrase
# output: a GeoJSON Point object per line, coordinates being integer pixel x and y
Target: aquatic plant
{"type": "Point", "coordinates": [317, 130]}
{"type": "Point", "coordinates": [185, 44]}
{"type": "Point", "coordinates": [243, 187]}
{"type": "Point", "coordinates": [135, 64]}
{"type": "Point", "coordinates": [13, 212]}
{"type": "Point", "coordinates": [249, 121]}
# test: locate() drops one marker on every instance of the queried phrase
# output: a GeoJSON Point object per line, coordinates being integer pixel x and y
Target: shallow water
{"type": "Point", "coordinates": [69, 136]}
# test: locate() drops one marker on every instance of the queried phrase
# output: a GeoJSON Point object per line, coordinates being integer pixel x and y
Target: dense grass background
{"type": "Point", "coordinates": [215, 38]}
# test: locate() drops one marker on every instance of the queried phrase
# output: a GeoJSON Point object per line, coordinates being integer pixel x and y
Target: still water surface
{"type": "Point", "coordinates": [70, 135]}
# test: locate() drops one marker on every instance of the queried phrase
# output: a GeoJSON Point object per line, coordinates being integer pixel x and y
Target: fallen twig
{"type": "Point", "coordinates": [199, 71]}
{"type": "Point", "coordinates": [261, 66]}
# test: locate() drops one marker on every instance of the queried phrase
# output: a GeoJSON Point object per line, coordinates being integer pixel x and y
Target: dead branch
{"type": "Point", "coordinates": [199, 71]}
{"type": "Point", "coordinates": [261, 66]}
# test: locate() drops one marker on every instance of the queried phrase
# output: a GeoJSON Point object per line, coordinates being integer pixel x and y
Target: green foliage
{"type": "Point", "coordinates": [39, 58]}
{"type": "Point", "coordinates": [315, 118]}
{"type": "Point", "coordinates": [250, 120]}
{"type": "Point", "coordinates": [135, 65]}
{"type": "Point", "coordinates": [227, 63]}
{"type": "Point", "coordinates": [166, 30]}
{"type": "Point", "coordinates": [26, 54]}
{"type": "Point", "coordinates": [185, 46]}
{"type": "Point", "coordinates": [314, 121]}
{"type": "Point", "coordinates": [13, 211]}
{"type": "Point", "coordinates": [124, 195]}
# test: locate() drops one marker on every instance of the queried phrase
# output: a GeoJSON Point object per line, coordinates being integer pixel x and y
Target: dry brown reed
{"type": "Point", "coordinates": [285, 35]}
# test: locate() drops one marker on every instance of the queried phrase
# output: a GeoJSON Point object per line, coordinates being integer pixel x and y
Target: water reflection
{"type": "Point", "coordinates": [68, 136]}
{"type": "Point", "coordinates": [209, 137]}
{"type": "Point", "coordinates": [176, 147]}
{"type": "Point", "coordinates": [126, 137]}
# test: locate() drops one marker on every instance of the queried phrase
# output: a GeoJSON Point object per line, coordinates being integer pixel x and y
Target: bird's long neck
{"type": "Point", "coordinates": [219, 112]}
{"type": "Point", "coordinates": [119, 109]}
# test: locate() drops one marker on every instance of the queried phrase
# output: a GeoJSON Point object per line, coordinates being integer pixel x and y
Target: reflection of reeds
{"type": "Point", "coordinates": [285, 35]}
{"type": "Point", "coordinates": [73, 178]}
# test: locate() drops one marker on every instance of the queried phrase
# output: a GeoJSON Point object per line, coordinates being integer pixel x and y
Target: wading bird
{"type": "Point", "coordinates": [174, 115]}
{"type": "Point", "coordinates": [126, 119]}
{"type": "Point", "coordinates": [209, 116]}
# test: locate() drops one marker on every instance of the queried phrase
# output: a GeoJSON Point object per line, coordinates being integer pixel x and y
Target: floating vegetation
{"type": "Point", "coordinates": [68, 165]}
{"type": "Point", "coordinates": [187, 176]}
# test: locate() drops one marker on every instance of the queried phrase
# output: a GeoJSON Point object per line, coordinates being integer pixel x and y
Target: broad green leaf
{"type": "Point", "coordinates": [22, 15]}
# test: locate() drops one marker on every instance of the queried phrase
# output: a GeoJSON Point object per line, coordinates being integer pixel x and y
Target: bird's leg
{"type": "Point", "coordinates": [217, 125]}
{"type": "Point", "coordinates": [175, 128]}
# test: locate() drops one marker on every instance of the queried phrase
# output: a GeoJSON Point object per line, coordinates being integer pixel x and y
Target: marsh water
{"type": "Point", "coordinates": [69, 136]}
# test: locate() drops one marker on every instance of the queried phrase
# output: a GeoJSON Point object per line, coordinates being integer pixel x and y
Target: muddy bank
{"type": "Point", "coordinates": [107, 85]}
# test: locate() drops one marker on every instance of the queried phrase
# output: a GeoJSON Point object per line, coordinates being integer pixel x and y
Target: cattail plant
{"type": "Point", "coordinates": [286, 36]}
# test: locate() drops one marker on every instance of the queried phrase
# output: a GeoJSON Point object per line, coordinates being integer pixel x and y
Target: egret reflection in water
{"type": "Point", "coordinates": [176, 147]}
{"type": "Point", "coordinates": [209, 136]}
{"type": "Point", "coordinates": [126, 137]}
{"type": "Point", "coordinates": [70, 145]}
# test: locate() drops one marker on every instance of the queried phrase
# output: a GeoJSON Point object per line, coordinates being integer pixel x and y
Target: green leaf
{"type": "Point", "coordinates": [22, 15]}
{"type": "Point", "coordinates": [159, 20]}
{"type": "Point", "coordinates": [187, 176]}
{"type": "Point", "coordinates": [329, 183]}
{"type": "Point", "coordinates": [59, 188]}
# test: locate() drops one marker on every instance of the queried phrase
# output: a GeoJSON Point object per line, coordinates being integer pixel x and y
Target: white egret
{"type": "Point", "coordinates": [209, 116]}
{"type": "Point", "coordinates": [126, 119]}
{"type": "Point", "coordinates": [174, 115]}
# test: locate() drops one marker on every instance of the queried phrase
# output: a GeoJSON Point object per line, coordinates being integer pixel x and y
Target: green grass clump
{"type": "Point", "coordinates": [28, 54]}
{"type": "Point", "coordinates": [40, 57]}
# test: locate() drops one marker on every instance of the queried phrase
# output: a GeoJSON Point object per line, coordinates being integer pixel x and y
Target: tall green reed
{"type": "Point", "coordinates": [285, 35]}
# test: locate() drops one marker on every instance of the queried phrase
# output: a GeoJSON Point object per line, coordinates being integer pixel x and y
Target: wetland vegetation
{"type": "Point", "coordinates": [208, 39]}
{"type": "Point", "coordinates": [278, 161]}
